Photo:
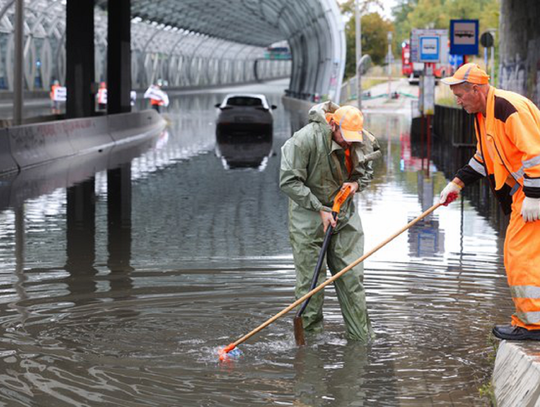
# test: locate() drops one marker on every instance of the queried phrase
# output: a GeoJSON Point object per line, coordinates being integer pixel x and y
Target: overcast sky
{"type": "Point", "coordinates": [387, 10]}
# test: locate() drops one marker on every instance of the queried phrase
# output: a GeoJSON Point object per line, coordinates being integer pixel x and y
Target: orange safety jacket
{"type": "Point", "coordinates": [508, 144]}
{"type": "Point", "coordinates": [508, 152]}
{"type": "Point", "coordinates": [53, 88]}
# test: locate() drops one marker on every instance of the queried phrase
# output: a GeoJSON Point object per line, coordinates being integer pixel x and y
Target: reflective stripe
{"type": "Point", "coordinates": [517, 175]}
{"type": "Point", "coordinates": [515, 189]}
{"type": "Point", "coordinates": [532, 162]}
{"type": "Point", "coordinates": [479, 154]}
{"type": "Point", "coordinates": [525, 291]}
{"type": "Point", "coordinates": [475, 165]}
{"type": "Point", "coordinates": [466, 76]}
{"type": "Point", "coordinates": [531, 182]}
{"type": "Point", "coordinates": [529, 318]}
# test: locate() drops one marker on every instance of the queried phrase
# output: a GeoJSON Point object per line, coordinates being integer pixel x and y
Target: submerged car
{"type": "Point", "coordinates": [244, 131]}
{"type": "Point", "coordinates": [245, 115]}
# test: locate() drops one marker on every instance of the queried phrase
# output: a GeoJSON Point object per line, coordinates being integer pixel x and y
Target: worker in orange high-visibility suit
{"type": "Point", "coordinates": [508, 153]}
{"type": "Point", "coordinates": [55, 102]}
{"type": "Point", "coordinates": [157, 96]}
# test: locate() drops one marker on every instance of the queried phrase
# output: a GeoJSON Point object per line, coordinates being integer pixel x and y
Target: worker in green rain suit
{"type": "Point", "coordinates": [331, 151]}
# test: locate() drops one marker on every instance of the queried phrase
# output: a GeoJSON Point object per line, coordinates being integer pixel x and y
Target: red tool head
{"type": "Point", "coordinates": [223, 353]}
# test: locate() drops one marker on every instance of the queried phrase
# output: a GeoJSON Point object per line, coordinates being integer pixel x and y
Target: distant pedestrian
{"type": "Point", "coordinates": [102, 96]}
{"type": "Point", "coordinates": [157, 96]}
{"type": "Point", "coordinates": [58, 96]}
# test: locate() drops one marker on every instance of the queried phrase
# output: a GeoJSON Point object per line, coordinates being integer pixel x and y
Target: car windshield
{"type": "Point", "coordinates": [244, 101]}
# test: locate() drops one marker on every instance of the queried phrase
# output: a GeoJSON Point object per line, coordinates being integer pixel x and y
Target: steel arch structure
{"type": "Point", "coordinates": [191, 43]}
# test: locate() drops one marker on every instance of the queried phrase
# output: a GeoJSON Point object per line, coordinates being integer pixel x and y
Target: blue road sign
{"type": "Point", "coordinates": [455, 60]}
{"type": "Point", "coordinates": [430, 49]}
{"type": "Point", "coordinates": [464, 37]}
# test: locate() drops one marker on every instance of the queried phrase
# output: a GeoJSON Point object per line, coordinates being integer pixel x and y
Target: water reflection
{"type": "Point", "coordinates": [119, 289]}
{"type": "Point", "coordinates": [119, 240]}
{"type": "Point", "coordinates": [80, 241]}
{"type": "Point", "coordinates": [249, 150]}
{"type": "Point", "coordinates": [340, 375]}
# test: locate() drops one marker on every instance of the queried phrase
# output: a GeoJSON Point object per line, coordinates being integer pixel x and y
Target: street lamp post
{"type": "Point", "coordinates": [18, 63]}
{"type": "Point", "coordinates": [358, 56]}
{"type": "Point", "coordinates": [389, 66]}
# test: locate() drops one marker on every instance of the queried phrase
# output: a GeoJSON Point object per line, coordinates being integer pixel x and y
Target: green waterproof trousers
{"type": "Point", "coordinates": [346, 246]}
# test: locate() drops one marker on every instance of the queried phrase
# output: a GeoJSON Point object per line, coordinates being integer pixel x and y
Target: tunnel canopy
{"type": "Point", "coordinates": [192, 43]}
{"type": "Point", "coordinates": [313, 29]}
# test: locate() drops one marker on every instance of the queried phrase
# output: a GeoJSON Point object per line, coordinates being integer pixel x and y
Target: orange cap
{"type": "Point", "coordinates": [470, 72]}
{"type": "Point", "coordinates": [351, 122]}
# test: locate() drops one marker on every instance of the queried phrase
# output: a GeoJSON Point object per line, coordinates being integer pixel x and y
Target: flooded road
{"type": "Point", "coordinates": [119, 290]}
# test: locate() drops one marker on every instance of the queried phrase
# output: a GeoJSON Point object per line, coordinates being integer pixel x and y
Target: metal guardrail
{"type": "Point", "coordinates": [454, 126]}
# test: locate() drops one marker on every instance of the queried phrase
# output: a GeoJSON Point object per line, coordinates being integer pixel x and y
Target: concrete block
{"type": "Point", "coordinates": [7, 163]}
{"type": "Point", "coordinates": [516, 376]}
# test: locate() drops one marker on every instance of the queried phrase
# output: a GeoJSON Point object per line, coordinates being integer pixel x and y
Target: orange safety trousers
{"type": "Point", "coordinates": [522, 263]}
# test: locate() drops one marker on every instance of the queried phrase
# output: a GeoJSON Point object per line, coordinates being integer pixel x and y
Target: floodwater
{"type": "Point", "coordinates": [119, 290]}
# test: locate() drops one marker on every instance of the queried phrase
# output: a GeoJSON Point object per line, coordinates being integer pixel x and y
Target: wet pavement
{"type": "Point", "coordinates": [120, 289]}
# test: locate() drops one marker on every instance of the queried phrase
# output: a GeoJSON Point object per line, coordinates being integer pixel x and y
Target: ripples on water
{"type": "Point", "coordinates": [208, 260]}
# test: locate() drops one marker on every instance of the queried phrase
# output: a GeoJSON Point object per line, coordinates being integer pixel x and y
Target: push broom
{"type": "Point", "coordinates": [223, 353]}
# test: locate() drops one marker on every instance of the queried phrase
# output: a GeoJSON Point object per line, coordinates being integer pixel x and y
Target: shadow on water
{"type": "Point", "coordinates": [119, 288]}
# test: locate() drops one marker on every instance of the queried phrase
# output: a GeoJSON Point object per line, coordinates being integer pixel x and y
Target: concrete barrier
{"type": "Point", "coordinates": [88, 134]}
{"type": "Point", "coordinates": [122, 126]}
{"type": "Point", "coordinates": [516, 376]}
{"type": "Point", "coordinates": [7, 163]}
{"type": "Point", "coordinates": [38, 143]}
{"type": "Point", "coordinates": [25, 146]}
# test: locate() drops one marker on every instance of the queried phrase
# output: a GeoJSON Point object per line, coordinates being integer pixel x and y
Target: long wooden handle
{"type": "Point", "coordinates": [330, 280]}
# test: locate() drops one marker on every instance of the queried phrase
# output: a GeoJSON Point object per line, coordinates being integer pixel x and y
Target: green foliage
{"type": "Point", "coordinates": [409, 14]}
{"type": "Point", "coordinates": [402, 29]}
{"type": "Point", "coordinates": [486, 390]}
{"type": "Point", "coordinates": [374, 40]}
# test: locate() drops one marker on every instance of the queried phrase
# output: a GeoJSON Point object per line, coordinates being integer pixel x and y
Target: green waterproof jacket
{"type": "Point", "coordinates": [313, 171]}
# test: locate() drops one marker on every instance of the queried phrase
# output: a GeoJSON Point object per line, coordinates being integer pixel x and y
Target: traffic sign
{"type": "Point", "coordinates": [486, 39]}
{"type": "Point", "coordinates": [464, 37]}
{"type": "Point", "coordinates": [429, 49]}
{"type": "Point", "coordinates": [423, 45]}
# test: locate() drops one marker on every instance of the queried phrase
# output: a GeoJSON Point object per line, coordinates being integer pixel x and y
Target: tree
{"type": "Point", "coordinates": [374, 40]}
{"type": "Point", "coordinates": [402, 30]}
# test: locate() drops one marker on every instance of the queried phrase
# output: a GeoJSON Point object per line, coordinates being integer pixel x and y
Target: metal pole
{"type": "Point", "coordinates": [389, 67]}
{"type": "Point", "coordinates": [18, 63]}
{"type": "Point", "coordinates": [492, 63]}
{"type": "Point", "coordinates": [358, 55]}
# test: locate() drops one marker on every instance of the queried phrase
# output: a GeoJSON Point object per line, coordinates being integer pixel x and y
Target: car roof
{"type": "Point", "coordinates": [258, 96]}
{"type": "Point", "coordinates": [246, 95]}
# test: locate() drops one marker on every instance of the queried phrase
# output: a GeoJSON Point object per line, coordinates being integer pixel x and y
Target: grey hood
{"type": "Point", "coordinates": [318, 112]}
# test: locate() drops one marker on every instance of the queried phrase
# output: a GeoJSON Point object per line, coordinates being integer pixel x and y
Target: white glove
{"type": "Point", "coordinates": [450, 193]}
{"type": "Point", "coordinates": [530, 210]}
